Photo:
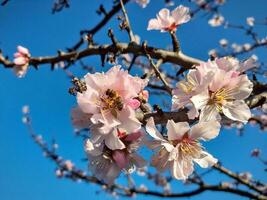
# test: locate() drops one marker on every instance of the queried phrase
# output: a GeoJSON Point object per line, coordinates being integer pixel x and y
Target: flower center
{"type": "Point", "coordinates": [188, 147]}
{"type": "Point", "coordinates": [219, 97]}
{"type": "Point", "coordinates": [111, 101]}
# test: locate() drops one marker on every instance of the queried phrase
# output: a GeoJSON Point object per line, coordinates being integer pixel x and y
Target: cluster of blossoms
{"type": "Point", "coordinates": [214, 88]}
{"type": "Point", "coordinates": [109, 105]}
{"type": "Point", "coordinates": [108, 109]}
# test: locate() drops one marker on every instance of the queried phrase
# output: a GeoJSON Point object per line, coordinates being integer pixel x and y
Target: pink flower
{"type": "Point", "coordinates": [216, 87]}
{"type": "Point", "coordinates": [106, 164]}
{"type": "Point", "coordinates": [181, 148]}
{"type": "Point", "coordinates": [110, 103]}
{"type": "Point", "coordinates": [21, 61]}
{"type": "Point", "coordinates": [167, 21]}
{"type": "Point", "coordinates": [194, 83]}
{"type": "Point", "coordinates": [225, 95]}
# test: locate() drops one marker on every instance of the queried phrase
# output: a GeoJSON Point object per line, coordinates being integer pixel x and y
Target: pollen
{"type": "Point", "coordinates": [111, 101]}
{"type": "Point", "coordinates": [219, 97]}
{"type": "Point", "coordinates": [188, 147]}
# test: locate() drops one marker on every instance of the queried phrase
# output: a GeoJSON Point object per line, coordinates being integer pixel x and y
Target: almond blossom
{"type": "Point", "coordinates": [225, 94]}
{"type": "Point", "coordinates": [193, 84]}
{"type": "Point", "coordinates": [216, 87]}
{"type": "Point", "coordinates": [108, 104]}
{"type": "Point", "coordinates": [21, 61]}
{"type": "Point", "coordinates": [110, 98]}
{"type": "Point", "coordinates": [169, 21]}
{"type": "Point", "coordinates": [106, 164]}
{"type": "Point", "coordinates": [142, 3]}
{"type": "Point", "coordinates": [181, 148]}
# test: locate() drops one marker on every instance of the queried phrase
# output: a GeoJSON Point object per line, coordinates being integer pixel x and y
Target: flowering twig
{"type": "Point", "coordinates": [138, 50]}
{"type": "Point", "coordinates": [68, 170]}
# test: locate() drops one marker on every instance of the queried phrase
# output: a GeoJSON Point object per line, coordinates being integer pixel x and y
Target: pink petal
{"type": "Point", "coordinates": [17, 54]}
{"type": "Point", "coordinates": [153, 24]}
{"type": "Point", "coordinates": [120, 158]}
{"type": "Point", "coordinates": [23, 50]}
{"type": "Point", "coordinates": [20, 61]}
{"type": "Point", "coordinates": [134, 103]}
{"type": "Point", "coordinates": [235, 74]}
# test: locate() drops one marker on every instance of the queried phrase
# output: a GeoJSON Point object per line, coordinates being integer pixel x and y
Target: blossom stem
{"type": "Point", "coordinates": [175, 42]}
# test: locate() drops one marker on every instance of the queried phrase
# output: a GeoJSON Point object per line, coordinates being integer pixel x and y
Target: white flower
{"type": "Point", "coordinates": [216, 20]}
{"type": "Point", "coordinates": [181, 148]}
{"type": "Point", "coordinates": [236, 47]}
{"type": "Point", "coordinates": [106, 164]}
{"type": "Point", "coordinates": [223, 42]}
{"type": "Point", "coordinates": [250, 21]}
{"type": "Point", "coordinates": [167, 21]}
{"type": "Point", "coordinates": [142, 3]}
{"type": "Point", "coordinates": [25, 109]}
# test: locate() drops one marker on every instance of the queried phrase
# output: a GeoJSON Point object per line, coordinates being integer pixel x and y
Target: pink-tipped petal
{"type": "Point", "coordinates": [120, 158]}
{"type": "Point", "coordinates": [23, 50]}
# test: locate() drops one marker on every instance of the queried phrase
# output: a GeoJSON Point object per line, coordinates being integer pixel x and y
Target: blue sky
{"type": "Point", "coordinates": [24, 172]}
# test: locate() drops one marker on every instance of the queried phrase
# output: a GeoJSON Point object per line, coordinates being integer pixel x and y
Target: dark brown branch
{"type": "Point", "coordinates": [4, 2]}
{"type": "Point", "coordinates": [237, 178]}
{"type": "Point", "coordinates": [124, 48]}
{"type": "Point", "coordinates": [181, 116]}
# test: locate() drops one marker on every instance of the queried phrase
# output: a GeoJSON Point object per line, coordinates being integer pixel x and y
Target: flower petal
{"type": "Point", "coordinates": [201, 100]}
{"type": "Point", "coordinates": [120, 158]}
{"type": "Point", "coordinates": [181, 14]}
{"type": "Point", "coordinates": [113, 142]}
{"type": "Point", "coordinates": [237, 110]}
{"type": "Point", "coordinates": [176, 130]}
{"type": "Point", "coordinates": [153, 24]}
{"type": "Point", "coordinates": [134, 103]}
{"type": "Point", "coordinates": [207, 161]}
{"type": "Point", "coordinates": [152, 130]}
{"type": "Point", "coordinates": [177, 170]}
{"type": "Point", "coordinates": [23, 50]}
{"type": "Point", "coordinates": [205, 130]}
{"type": "Point", "coordinates": [209, 112]}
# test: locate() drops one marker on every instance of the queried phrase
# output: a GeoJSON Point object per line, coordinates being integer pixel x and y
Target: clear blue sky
{"type": "Point", "coordinates": [24, 172]}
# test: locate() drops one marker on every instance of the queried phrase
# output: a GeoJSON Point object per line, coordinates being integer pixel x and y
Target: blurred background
{"type": "Point", "coordinates": [24, 172]}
